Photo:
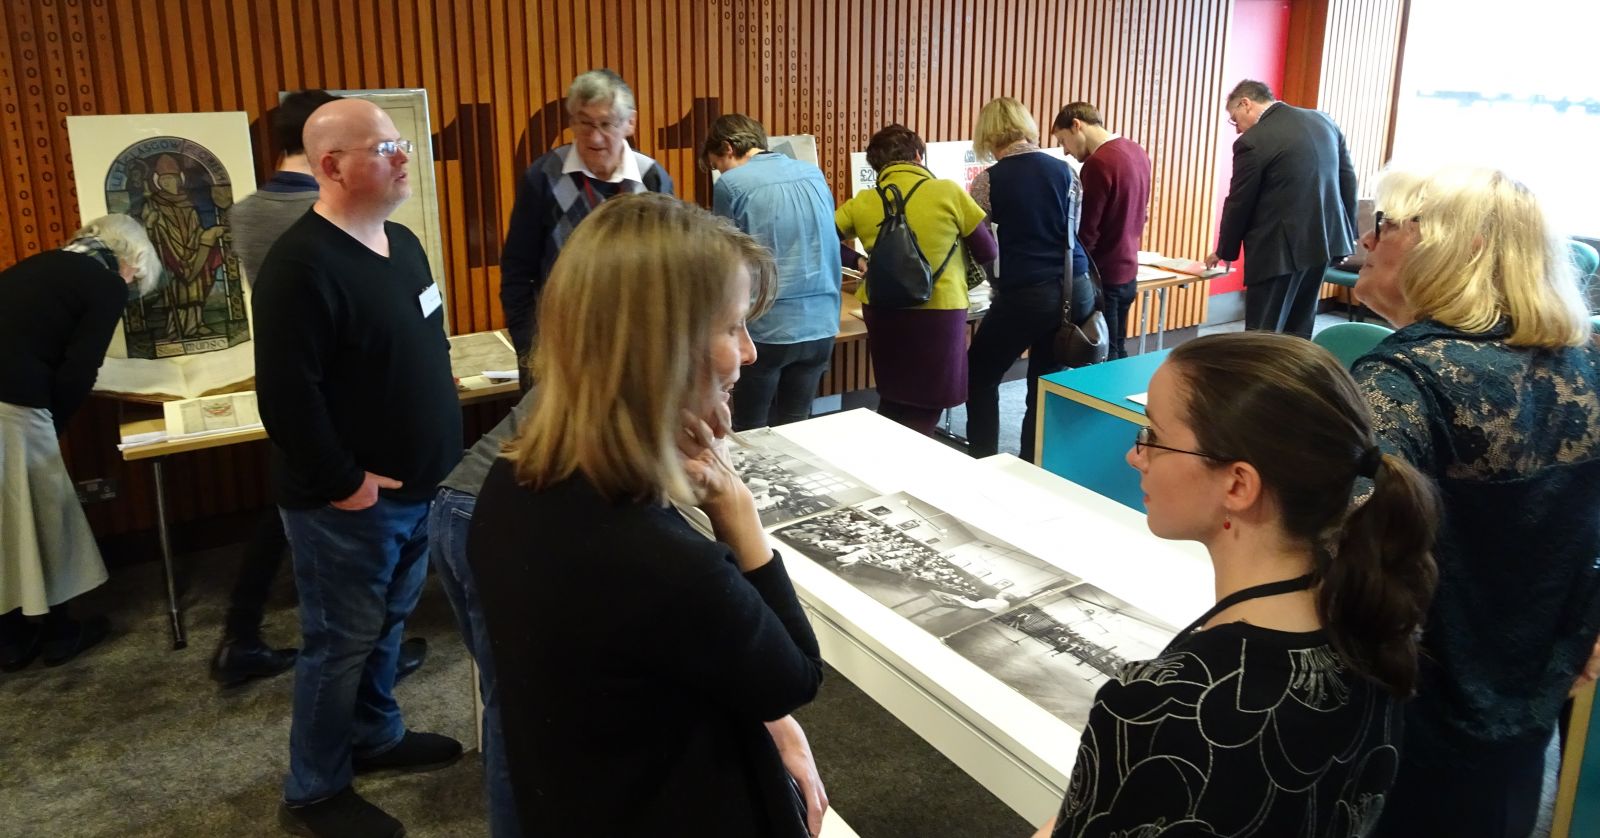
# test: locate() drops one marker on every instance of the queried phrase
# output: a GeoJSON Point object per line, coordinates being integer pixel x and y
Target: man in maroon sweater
{"type": "Point", "coordinates": [1116, 204]}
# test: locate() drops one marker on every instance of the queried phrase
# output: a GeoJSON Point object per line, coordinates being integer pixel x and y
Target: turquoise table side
{"type": "Point", "coordinates": [1087, 424]}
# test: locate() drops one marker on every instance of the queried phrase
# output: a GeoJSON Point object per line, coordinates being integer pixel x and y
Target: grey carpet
{"type": "Point", "coordinates": [133, 739]}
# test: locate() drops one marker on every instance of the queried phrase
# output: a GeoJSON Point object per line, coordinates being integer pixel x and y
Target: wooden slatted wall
{"type": "Point", "coordinates": [496, 70]}
{"type": "Point", "coordinates": [1360, 67]}
{"type": "Point", "coordinates": [1347, 64]}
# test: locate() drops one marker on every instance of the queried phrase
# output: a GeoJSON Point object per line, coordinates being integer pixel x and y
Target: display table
{"type": "Point", "coordinates": [1015, 748]}
{"type": "Point", "coordinates": [1087, 424]}
{"type": "Point", "coordinates": [1156, 282]}
{"type": "Point", "coordinates": [141, 419]}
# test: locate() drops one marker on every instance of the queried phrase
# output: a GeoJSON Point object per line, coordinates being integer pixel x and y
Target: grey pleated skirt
{"type": "Point", "coordinates": [47, 552]}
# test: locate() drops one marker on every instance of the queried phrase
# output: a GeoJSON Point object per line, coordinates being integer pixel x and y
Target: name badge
{"type": "Point", "coordinates": [429, 299]}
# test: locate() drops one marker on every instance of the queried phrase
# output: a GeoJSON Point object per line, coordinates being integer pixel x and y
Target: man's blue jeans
{"type": "Point", "coordinates": [448, 522]}
{"type": "Point", "coordinates": [358, 575]}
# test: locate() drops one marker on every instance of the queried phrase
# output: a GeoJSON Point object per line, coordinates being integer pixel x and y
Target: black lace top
{"type": "Point", "coordinates": [1236, 731]}
{"type": "Point", "coordinates": [1512, 435]}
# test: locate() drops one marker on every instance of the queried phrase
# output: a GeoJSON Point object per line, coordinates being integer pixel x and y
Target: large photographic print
{"type": "Point", "coordinates": [788, 481]}
{"type": "Point", "coordinates": [922, 562]}
{"type": "Point", "coordinates": [1058, 649]}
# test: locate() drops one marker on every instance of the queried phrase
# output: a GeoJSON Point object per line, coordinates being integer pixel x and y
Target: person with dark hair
{"type": "Point", "coordinates": [1034, 200]}
{"type": "Point", "coordinates": [1116, 205]}
{"type": "Point", "coordinates": [919, 354]}
{"type": "Point", "coordinates": [562, 186]}
{"type": "Point", "coordinates": [58, 312]}
{"type": "Point", "coordinates": [1491, 385]}
{"type": "Point", "coordinates": [787, 206]}
{"type": "Point", "coordinates": [257, 222]}
{"type": "Point", "coordinates": [1291, 204]}
{"type": "Point", "coordinates": [1278, 711]}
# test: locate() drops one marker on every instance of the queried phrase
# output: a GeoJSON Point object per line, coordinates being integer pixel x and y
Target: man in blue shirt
{"type": "Point", "coordinates": [786, 205]}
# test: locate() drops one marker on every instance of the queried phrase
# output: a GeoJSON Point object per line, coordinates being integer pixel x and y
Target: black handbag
{"type": "Point", "coordinates": [1081, 344]}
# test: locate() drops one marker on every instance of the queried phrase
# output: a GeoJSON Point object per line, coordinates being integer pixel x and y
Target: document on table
{"type": "Point", "coordinates": [1142, 399]}
{"type": "Point", "coordinates": [488, 354]}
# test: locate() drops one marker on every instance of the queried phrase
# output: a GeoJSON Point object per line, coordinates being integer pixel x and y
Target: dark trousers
{"type": "Point", "coordinates": [1285, 303]}
{"type": "Point", "coordinates": [779, 387]}
{"type": "Point", "coordinates": [262, 559]}
{"type": "Point", "coordinates": [1118, 300]}
{"type": "Point", "coordinates": [923, 420]}
{"type": "Point", "coordinates": [1464, 789]}
{"type": "Point", "coordinates": [1018, 319]}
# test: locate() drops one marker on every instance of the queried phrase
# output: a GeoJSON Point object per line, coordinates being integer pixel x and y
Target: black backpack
{"type": "Point", "coordinates": [898, 275]}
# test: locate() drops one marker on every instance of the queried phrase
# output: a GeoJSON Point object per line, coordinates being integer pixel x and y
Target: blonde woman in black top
{"type": "Point", "coordinates": [646, 673]}
{"type": "Point", "coordinates": [1278, 711]}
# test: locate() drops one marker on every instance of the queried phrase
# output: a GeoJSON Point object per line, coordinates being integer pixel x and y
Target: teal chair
{"type": "Point", "coordinates": [1343, 279]}
{"type": "Point", "coordinates": [1585, 257]}
{"type": "Point", "coordinates": [1349, 341]}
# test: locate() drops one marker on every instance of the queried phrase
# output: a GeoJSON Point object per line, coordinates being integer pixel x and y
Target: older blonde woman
{"type": "Point", "coordinates": [1491, 385]}
{"type": "Point", "coordinates": [1034, 200]}
{"type": "Point", "coordinates": [646, 673]}
{"type": "Point", "coordinates": [58, 311]}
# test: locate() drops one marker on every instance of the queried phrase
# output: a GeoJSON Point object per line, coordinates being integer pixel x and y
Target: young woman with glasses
{"type": "Point", "coordinates": [1276, 712]}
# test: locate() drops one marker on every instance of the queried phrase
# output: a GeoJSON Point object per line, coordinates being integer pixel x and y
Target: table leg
{"type": "Point", "coordinates": [179, 640]}
{"type": "Point", "coordinates": [1144, 319]}
{"type": "Point", "coordinates": [1161, 320]}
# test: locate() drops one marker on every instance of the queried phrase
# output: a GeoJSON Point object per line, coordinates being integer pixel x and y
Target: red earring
{"type": "Point", "coordinates": [1227, 523]}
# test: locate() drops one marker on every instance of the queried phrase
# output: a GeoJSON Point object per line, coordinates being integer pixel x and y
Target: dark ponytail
{"type": "Point", "coordinates": [1291, 410]}
{"type": "Point", "coordinates": [1378, 578]}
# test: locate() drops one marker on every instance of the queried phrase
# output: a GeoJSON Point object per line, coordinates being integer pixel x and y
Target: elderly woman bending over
{"type": "Point", "coordinates": [58, 311]}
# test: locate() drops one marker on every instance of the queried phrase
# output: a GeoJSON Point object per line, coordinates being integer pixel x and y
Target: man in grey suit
{"type": "Point", "coordinates": [1291, 204]}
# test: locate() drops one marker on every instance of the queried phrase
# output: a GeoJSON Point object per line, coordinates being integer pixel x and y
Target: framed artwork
{"type": "Point", "coordinates": [408, 107]}
{"type": "Point", "coordinates": [179, 175]}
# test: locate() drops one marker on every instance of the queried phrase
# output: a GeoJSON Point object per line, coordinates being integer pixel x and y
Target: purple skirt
{"type": "Point", "coordinates": [919, 355]}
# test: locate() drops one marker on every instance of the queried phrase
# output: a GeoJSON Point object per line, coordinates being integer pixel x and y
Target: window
{"type": "Point", "coordinates": [1509, 86]}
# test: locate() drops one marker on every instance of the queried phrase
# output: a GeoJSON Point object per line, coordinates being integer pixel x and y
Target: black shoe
{"type": "Point", "coordinates": [344, 815]}
{"type": "Point", "coordinates": [21, 647]}
{"type": "Point", "coordinates": [238, 661]}
{"type": "Point", "coordinates": [414, 752]}
{"type": "Point", "coordinates": [412, 653]}
{"type": "Point", "coordinates": [78, 637]}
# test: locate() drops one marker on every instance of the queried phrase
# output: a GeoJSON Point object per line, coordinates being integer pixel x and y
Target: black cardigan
{"type": "Point", "coordinates": [636, 666]}
{"type": "Point", "coordinates": [58, 311]}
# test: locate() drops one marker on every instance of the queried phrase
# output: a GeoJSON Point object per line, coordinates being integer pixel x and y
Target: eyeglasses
{"type": "Point", "coordinates": [609, 126]}
{"type": "Point", "coordinates": [1143, 439]}
{"type": "Point", "coordinates": [1378, 222]}
{"type": "Point", "coordinates": [387, 148]}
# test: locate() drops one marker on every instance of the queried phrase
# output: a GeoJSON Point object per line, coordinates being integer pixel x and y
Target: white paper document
{"type": "Point", "coordinates": [212, 414]}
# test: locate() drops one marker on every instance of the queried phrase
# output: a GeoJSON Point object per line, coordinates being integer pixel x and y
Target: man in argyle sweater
{"type": "Point", "coordinates": [564, 185]}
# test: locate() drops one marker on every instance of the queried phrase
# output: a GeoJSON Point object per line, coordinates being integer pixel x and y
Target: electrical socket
{"type": "Point", "coordinates": [96, 490]}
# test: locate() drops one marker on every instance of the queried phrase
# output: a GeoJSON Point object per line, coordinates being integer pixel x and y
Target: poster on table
{"type": "Point", "coordinates": [1048, 634]}
{"type": "Point", "coordinates": [179, 175]}
{"type": "Point", "coordinates": [408, 107]}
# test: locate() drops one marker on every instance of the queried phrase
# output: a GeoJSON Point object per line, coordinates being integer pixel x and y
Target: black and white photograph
{"type": "Point", "coordinates": [1059, 648]}
{"type": "Point", "coordinates": [788, 481]}
{"type": "Point", "coordinates": [921, 561]}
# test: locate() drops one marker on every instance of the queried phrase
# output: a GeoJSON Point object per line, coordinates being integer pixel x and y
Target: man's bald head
{"type": "Point", "coordinates": [343, 140]}
{"type": "Point", "coordinates": [344, 123]}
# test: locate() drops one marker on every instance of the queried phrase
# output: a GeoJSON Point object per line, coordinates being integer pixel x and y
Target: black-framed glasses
{"type": "Point", "coordinates": [387, 148]}
{"type": "Point", "coordinates": [1378, 220]}
{"type": "Point", "coordinates": [1144, 439]}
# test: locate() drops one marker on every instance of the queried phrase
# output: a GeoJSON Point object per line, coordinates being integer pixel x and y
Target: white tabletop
{"type": "Point", "coordinates": [1018, 750]}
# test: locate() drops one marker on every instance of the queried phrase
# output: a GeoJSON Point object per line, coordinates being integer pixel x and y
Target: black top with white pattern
{"type": "Point", "coordinates": [1239, 731]}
